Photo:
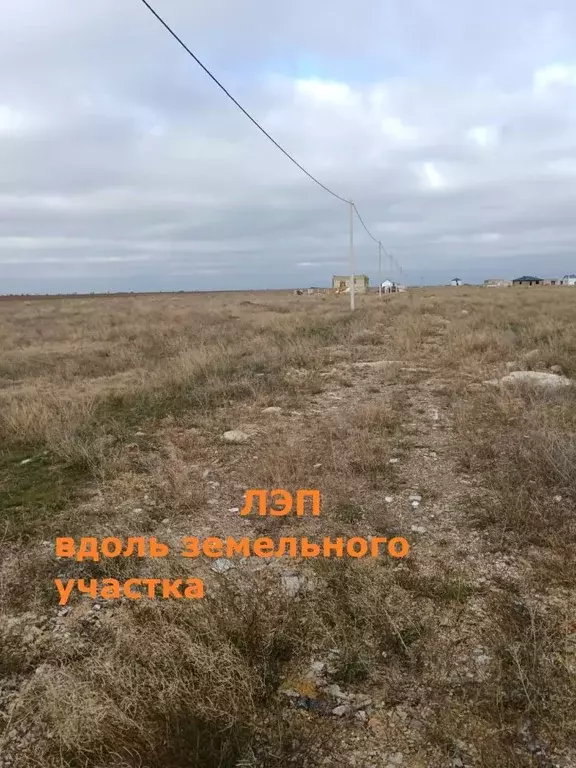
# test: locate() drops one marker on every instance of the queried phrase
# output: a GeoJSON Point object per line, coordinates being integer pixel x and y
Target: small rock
{"type": "Point", "coordinates": [317, 667]}
{"type": "Point", "coordinates": [415, 504]}
{"type": "Point", "coordinates": [361, 716]}
{"type": "Point", "coordinates": [317, 466]}
{"type": "Point", "coordinates": [537, 378]}
{"type": "Point", "coordinates": [96, 607]}
{"type": "Point", "coordinates": [388, 499]}
{"type": "Point", "coordinates": [465, 312]}
{"type": "Point", "coordinates": [418, 529]}
{"type": "Point", "coordinates": [25, 461]}
{"type": "Point", "coordinates": [341, 710]}
{"type": "Point", "coordinates": [557, 498]}
{"type": "Point", "coordinates": [137, 511]}
{"type": "Point", "coordinates": [221, 565]}
{"type": "Point", "coordinates": [289, 692]}
{"type": "Point", "coordinates": [272, 409]}
{"type": "Point", "coordinates": [235, 436]}
{"type": "Point", "coordinates": [415, 497]}
{"type": "Point", "coordinates": [234, 509]}
{"type": "Point", "coordinates": [140, 434]}
{"type": "Point", "coordinates": [557, 369]}
{"type": "Point", "coordinates": [336, 692]}
{"type": "Point", "coordinates": [165, 521]}
{"type": "Point", "coordinates": [291, 584]}
{"type": "Point", "coordinates": [393, 460]}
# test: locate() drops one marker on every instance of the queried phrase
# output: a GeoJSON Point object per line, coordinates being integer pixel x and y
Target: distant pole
{"type": "Point", "coordinates": [352, 277]}
{"type": "Point", "coordinates": [380, 270]}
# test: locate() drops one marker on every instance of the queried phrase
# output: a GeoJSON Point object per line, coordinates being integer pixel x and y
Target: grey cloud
{"type": "Point", "coordinates": [132, 170]}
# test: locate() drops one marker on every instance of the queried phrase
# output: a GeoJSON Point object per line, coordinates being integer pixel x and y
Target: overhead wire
{"type": "Point", "coordinates": [255, 122]}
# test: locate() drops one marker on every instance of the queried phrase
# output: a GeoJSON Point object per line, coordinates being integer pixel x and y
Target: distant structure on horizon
{"type": "Point", "coordinates": [389, 286]}
{"type": "Point", "coordinates": [342, 283]}
{"type": "Point", "coordinates": [455, 281]}
{"type": "Point", "coordinates": [498, 282]}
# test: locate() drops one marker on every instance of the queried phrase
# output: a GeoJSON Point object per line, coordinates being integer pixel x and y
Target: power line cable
{"type": "Point", "coordinates": [257, 124]}
{"type": "Point", "coordinates": [240, 107]}
{"type": "Point", "coordinates": [379, 242]}
{"type": "Point", "coordinates": [370, 235]}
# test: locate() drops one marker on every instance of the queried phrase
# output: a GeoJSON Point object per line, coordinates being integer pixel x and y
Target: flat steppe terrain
{"type": "Point", "coordinates": [463, 653]}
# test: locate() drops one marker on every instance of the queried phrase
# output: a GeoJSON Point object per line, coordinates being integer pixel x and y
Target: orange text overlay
{"type": "Point", "coordinates": [133, 589]}
{"type": "Point", "coordinates": [282, 502]}
{"type": "Point", "coordinates": [90, 548]}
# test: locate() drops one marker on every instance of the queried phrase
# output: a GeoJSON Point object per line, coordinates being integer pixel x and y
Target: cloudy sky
{"type": "Point", "coordinates": [450, 123]}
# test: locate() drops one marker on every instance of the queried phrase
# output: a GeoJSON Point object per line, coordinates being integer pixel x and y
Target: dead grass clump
{"type": "Point", "coordinates": [534, 687]}
{"type": "Point", "coordinates": [196, 684]}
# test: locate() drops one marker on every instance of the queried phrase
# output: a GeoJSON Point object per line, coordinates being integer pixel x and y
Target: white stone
{"type": "Point", "coordinates": [415, 497]}
{"type": "Point", "coordinates": [388, 499]}
{"type": "Point", "coordinates": [221, 565]}
{"type": "Point", "coordinates": [415, 504]}
{"type": "Point", "coordinates": [291, 584]}
{"type": "Point", "coordinates": [25, 461]}
{"type": "Point", "coordinates": [235, 436]}
{"type": "Point", "coordinates": [418, 529]}
{"type": "Point", "coordinates": [335, 691]}
{"type": "Point", "coordinates": [272, 409]}
{"type": "Point", "coordinates": [341, 710]}
{"type": "Point", "coordinates": [234, 509]}
{"type": "Point", "coordinates": [537, 378]}
{"type": "Point", "coordinates": [317, 667]}
{"type": "Point", "coordinates": [394, 460]}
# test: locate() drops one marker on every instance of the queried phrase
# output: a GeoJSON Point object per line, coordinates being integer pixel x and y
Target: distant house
{"type": "Point", "coordinates": [342, 283]}
{"type": "Point", "coordinates": [455, 281]}
{"type": "Point", "coordinates": [528, 280]}
{"type": "Point", "coordinates": [496, 282]}
{"type": "Point", "coordinates": [569, 280]}
{"type": "Point", "coordinates": [388, 286]}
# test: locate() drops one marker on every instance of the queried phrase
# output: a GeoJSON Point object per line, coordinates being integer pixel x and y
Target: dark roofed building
{"type": "Point", "coordinates": [527, 280]}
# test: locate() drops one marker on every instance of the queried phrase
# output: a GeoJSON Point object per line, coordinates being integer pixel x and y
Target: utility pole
{"type": "Point", "coordinates": [352, 277]}
{"type": "Point", "coordinates": [380, 269]}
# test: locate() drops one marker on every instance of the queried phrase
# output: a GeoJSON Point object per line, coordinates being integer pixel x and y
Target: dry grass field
{"type": "Point", "coordinates": [112, 412]}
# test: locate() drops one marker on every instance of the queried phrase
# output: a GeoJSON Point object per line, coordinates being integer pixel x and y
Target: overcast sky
{"type": "Point", "coordinates": [451, 123]}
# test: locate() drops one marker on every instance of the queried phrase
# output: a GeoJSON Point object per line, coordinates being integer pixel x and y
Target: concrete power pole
{"type": "Point", "coordinates": [352, 267]}
{"type": "Point", "coordinates": [380, 270]}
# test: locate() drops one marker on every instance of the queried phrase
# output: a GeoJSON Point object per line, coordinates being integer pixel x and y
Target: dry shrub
{"type": "Point", "coordinates": [533, 685]}
{"type": "Point", "coordinates": [195, 684]}
{"type": "Point", "coordinates": [523, 444]}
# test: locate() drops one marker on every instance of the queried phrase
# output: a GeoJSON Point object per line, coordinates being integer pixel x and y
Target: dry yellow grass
{"type": "Point", "coordinates": [467, 649]}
